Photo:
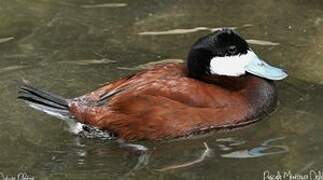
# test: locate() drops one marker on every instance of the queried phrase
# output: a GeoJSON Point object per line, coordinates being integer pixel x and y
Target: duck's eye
{"type": "Point", "coordinates": [232, 50]}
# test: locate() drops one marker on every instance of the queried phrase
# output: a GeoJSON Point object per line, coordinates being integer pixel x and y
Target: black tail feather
{"type": "Point", "coordinates": [38, 100]}
{"type": "Point", "coordinates": [45, 101]}
{"type": "Point", "coordinates": [44, 95]}
{"type": "Point", "coordinates": [57, 106]}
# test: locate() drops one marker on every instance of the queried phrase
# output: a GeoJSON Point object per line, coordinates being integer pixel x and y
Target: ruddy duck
{"type": "Point", "coordinates": [223, 85]}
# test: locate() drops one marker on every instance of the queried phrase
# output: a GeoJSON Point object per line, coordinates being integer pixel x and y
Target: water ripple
{"type": "Point", "coordinates": [265, 149]}
{"type": "Point", "coordinates": [181, 31]}
{"type": "Point", "coordinates": [105, 5]}
{"type": "Point", "coordinates": [12, 68]}
{"type": "Point", "coordinates": [85, 62]}
{"type": "Point", "coordinates": [6, 39]}
{"type": "Point", "coordinates": [152, 64]}
{"type": "Point", "coordinates": [262, 42]}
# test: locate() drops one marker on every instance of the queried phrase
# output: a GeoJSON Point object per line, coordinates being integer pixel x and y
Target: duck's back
{"type": "Point", "coordinates": [163, 102]}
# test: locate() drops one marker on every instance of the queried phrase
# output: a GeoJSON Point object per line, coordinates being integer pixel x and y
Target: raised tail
{"type": "Point", "coordinates": [57, 106]}
{"type": "Point", "coordinates": [44, 101]}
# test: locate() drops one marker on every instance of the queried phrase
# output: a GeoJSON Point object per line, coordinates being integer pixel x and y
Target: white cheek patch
{"type": "Point", "coordinates": [231, 65]}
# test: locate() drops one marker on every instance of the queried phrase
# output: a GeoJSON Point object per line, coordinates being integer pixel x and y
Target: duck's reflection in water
{"type": "Point", "coordinates": [206, 153]}
{"type": "Point", "coordinates": [229, 147]}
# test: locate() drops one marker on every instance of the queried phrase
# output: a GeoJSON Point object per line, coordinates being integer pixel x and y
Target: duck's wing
{"type": "Point", "coordinates": [153, 117]}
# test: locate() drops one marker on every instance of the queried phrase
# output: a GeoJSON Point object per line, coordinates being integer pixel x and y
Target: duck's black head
{"type": "Point", "coordinates": [220, 43]}
{"type": "Point", "coordinates": [226, 53]}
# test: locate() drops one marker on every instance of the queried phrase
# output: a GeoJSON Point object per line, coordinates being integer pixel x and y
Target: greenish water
{"type": "Point", "coordinates": [70, 47]}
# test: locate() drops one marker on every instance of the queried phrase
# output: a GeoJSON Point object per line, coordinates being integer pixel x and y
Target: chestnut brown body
{"type": "Point", "coordinates": [164, 102]}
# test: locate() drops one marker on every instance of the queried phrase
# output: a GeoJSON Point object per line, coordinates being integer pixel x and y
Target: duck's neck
{"type": "Point", "coordinates": [259, 93]}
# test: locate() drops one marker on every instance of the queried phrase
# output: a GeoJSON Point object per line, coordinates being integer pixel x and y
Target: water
{"type": "Point", "coordinates": [71, 47]}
